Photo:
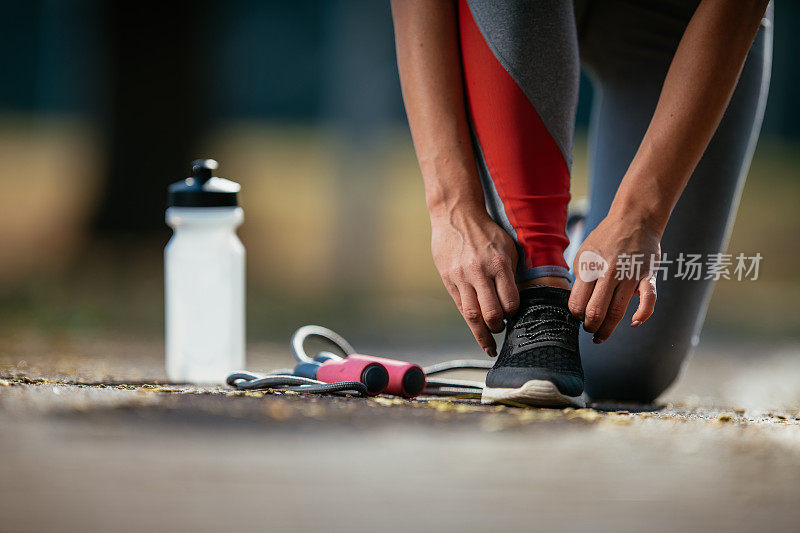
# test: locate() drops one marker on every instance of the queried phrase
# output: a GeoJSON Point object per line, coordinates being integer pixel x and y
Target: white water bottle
{"type": "Point", "coordinates": [204, 278]}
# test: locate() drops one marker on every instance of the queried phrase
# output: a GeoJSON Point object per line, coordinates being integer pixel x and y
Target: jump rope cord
{"type": "Point", "coordinates": [248, 381]}
{"type": "Point", "coordinates": [454, 387]}
{"type": "Point", "coordinates": [283, 379]}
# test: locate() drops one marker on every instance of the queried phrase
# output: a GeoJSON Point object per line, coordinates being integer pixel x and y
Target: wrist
{"type": "Point", "coordinates": [642, 212]}
{"type": "Point", "coordinates": [457, 213]}
{"type": "Point", "coordinates": [644, 198]}
{"type": "Point", "coordinates": [449, 200]}
{"type": "Point", "coordinates": [451, 182]}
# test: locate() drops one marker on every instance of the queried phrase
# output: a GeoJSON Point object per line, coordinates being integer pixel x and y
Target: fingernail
{"type": "Point", "coordinates": [597, 340]}
{"type": "Point", "coordinates": [636, 323]}
{"type": "Point", "coordinates": [491, 352]}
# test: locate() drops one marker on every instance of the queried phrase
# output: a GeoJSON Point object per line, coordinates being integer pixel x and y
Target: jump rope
{"type": "Point", "coordinates": [359, 375]}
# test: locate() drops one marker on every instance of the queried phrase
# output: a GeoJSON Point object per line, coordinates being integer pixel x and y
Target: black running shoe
{"type": "Point", "coordinates": [540, 363]}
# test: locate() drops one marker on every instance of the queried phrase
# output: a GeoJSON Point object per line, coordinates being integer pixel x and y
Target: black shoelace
{"type": "Point", "coordinates": [551, 325]}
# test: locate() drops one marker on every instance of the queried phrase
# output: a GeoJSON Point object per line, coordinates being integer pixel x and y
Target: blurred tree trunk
{"type": "Point", "coordinates": [154, 112]}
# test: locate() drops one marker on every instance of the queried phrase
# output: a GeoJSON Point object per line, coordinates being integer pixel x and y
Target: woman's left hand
{"type": "Point", "coordinates": [616, 261]}
{"type": "Point", "coordinates": [701, 79]}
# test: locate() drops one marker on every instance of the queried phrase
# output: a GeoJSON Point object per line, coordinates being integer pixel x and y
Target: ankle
{"type": "Point", "coordinates": [547, 281]}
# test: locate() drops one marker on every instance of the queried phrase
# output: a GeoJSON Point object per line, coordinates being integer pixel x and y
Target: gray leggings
{"type": "Point", "coordinates": [626, 48]}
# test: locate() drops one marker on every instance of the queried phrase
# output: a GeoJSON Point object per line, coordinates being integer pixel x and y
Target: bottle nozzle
{"type": "Point", "coordinates": [203, 169]}
{"type": "Point", "coordinates": [198, 190]}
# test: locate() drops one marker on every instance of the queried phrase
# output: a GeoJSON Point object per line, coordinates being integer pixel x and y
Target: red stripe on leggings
{"type": "Point", "coordinates": [525, 163]}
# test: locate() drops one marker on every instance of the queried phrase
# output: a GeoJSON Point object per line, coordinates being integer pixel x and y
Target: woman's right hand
{"type": "Point", "coordinates": [476, 260]}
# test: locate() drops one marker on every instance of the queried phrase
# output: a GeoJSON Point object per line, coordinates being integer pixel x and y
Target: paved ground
{"type": "Point", "coordinates": [92, 440]}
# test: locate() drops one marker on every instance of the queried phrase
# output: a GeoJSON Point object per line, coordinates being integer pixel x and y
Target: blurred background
{"type": "Point", "coordinates": [103, 104]}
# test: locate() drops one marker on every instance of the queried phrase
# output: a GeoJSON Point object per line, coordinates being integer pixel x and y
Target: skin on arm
{"type": "Point", "coordinates": [698, 86]}
{"type": "Point", "coordinates": [474, 256]}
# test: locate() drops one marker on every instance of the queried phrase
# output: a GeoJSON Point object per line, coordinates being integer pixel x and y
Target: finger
{"type": "Point", "coordinates": [452, 290]}
{"type": "Point", "coordinates": [598, 303]}
{"type": "Point", "coordinates": [579, 297]}
{"type": "Point", "coordinates": [491, 310]}
{"type": "Point", "coordinates": [616, 310]}
{"type": "Point", "coordinates": [647, 301]}
{"type": "Point", "coordinates": [471, 311]}
{"type": "Point", "coordinates": [507, 291]}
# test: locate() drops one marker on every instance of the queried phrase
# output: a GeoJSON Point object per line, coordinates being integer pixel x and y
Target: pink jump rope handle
{"type": "Point", "coordinates": [371, 373]}
{"type": "Point", "coordinates": [405, 379]}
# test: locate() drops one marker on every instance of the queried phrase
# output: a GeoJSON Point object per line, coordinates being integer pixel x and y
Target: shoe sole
{"type": "Point", "coordinates": [535, 392]}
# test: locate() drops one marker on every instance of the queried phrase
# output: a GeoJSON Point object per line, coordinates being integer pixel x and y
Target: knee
{"type": "Point", "coordinates": [632, 373]}
{"type": "Point", "coordinates": [626, 387]}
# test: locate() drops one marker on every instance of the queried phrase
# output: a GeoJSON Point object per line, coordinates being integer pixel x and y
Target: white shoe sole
{"type": "Point", "coordinates": [535, 392]}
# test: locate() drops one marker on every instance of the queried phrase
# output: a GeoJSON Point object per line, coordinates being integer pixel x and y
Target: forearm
{"type": "Point", "coordinates": [696, 91]}
{"type": "Point", "coordinates": [428, 58]}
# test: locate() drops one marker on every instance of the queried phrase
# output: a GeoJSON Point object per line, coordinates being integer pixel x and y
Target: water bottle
{"type": "Point", "coordinates": [204, 278]}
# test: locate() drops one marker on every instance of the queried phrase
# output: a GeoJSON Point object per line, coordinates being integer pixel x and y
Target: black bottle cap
{"type": "Point", "coordinates": [202, 189]}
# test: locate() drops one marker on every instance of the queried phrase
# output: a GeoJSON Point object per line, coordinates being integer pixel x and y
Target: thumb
{"type": "Point", "coordinates": [647, 300]}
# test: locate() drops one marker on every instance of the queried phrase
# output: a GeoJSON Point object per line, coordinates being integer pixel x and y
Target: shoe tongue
{"type": "Point", "coordinates": [545, 295]}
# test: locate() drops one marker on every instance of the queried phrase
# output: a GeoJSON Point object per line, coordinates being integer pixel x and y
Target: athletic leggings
{"type": "Point", "coordinates": [521, 61]}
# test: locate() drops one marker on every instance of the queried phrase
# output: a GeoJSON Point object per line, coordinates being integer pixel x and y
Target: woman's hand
{"type": "Point", "coordinates": [476, 260]}
{"type": "Point", "coordinates": [474, 256]}
{"type": "Point", "coordinates": [696, 91]}
{"type": "Point", "coordinates": [615, 262]}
